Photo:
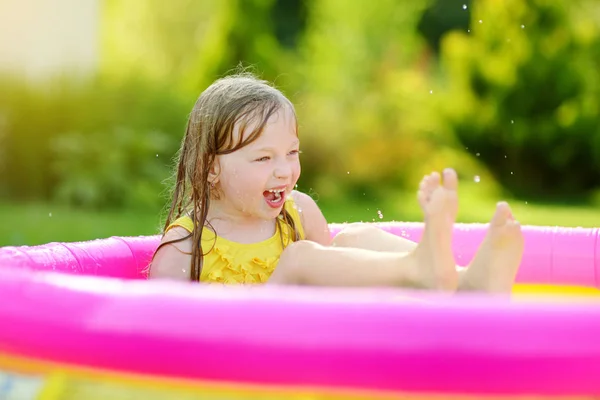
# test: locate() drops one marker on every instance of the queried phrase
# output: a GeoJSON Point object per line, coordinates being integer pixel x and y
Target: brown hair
{"type": "Point", "coordinates": [237, 99]}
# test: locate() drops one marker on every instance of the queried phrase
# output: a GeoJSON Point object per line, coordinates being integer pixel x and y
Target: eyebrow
{"type": "Point", "coordinates": [269, 148]}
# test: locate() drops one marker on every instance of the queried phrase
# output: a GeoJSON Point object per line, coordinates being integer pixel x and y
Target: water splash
{"type": "Point", "coordinates": [379, 214]}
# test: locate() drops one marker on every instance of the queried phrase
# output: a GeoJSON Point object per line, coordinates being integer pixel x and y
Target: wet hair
{"type": "Point", "coordinates": [238, 100]}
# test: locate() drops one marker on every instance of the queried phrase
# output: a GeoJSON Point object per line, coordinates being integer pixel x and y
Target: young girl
{"type": "Point", "coordinates": [235, 217]}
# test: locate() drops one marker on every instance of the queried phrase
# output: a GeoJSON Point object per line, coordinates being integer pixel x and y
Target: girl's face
{"type": "Point", "coordinates": [255, 180]}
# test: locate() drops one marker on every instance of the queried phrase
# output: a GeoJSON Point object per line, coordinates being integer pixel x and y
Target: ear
{"type": "Point", "coordinates": [214, 171]}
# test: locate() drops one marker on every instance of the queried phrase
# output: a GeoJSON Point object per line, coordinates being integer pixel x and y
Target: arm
{"type": "Point", "coordinates": [173, 260]}
{"type": "Point", "coordinates": [313, 221]}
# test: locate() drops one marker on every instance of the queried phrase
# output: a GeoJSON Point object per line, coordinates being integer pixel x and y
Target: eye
{"type": "Point", "coordinates": [265, 158]}
{"type": "Point", "coordinates": [295, 152]}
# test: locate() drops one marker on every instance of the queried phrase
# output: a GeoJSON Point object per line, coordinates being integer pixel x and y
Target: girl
{"type": "Point", "coordinates": [235, 215]}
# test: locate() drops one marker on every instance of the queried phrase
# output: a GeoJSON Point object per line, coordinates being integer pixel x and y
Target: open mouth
{"type": "Point", "coordinates": [274, 197]}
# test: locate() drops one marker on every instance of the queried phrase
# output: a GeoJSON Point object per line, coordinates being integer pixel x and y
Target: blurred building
{"type": "Point", "coordinates": [39, 38]}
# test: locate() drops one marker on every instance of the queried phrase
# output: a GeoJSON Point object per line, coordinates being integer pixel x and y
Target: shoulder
{"type": "Point", "coordinates": [313, 221]}
{"type": "Point", "coordinates": [173, 258]}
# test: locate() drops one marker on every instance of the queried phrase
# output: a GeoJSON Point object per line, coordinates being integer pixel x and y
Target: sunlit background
{"type": "Point", "coordinates": [94, 96]}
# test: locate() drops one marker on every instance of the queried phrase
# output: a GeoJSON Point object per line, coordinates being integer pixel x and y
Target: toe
{"type": "Point", "coordinates": [502, 214]}
{"type": "Point", "coordinates": [424, 183]}
{"type": "Point", "coordinates": [434, 181]}
{"type": "Point", "coordinates": [422, 198]}
{"type": "Point", "coordinates": [450, 179]}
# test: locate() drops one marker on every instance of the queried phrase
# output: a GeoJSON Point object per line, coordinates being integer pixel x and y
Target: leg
{"type": "Point", "coordinates": [496, 263]}
{"type": "Point", "coordinates": [366, 236]}
{"type": "Point", "coordinates": [493, 269]}
{"type": "Point", "coordinates": [309, 263]}
{"type": "Point", "coordinates": [429, 265]}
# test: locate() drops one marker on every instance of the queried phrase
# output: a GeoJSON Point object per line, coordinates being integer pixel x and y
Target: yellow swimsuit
{"type": "Point", "coordinates": [234, 263]}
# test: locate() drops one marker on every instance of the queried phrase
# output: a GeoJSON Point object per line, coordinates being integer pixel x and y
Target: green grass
{"type": "Point", "coordinates": [42, 223]}
{"type": "Point", "coordinates": [32, 224]}
{"type": "Point", "coordinates": [473, 208]}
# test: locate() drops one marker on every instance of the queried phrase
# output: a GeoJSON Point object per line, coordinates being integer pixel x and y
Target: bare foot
{"type": "Point", "coordinates": [434, 261]}
{"type": "Point", "coordinates": [497, 260]}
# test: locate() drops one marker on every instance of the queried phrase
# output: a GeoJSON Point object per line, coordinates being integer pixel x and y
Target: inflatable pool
{"type": "Point", "coordinates": [79, 321]}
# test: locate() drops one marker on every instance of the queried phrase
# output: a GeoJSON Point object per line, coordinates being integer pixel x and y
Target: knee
{"type": "Point", "coordinates": [290, 267]}
{"type": "Point", "coordinates": [353, 235]}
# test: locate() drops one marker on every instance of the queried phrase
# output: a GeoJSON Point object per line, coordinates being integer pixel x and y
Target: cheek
{"type": "Point", "coordinates": [296, 170]}
{"type": "Point", "coordinates": [245, 181]}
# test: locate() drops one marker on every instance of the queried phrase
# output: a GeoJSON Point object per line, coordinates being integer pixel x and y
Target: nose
{"type": "Point", "coordinates": [282, 170]}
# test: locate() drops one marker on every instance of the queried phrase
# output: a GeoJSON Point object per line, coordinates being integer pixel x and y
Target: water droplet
{"type": "Point", "coordinates": [464, 6]}
{"type": "Point", "coordinates": [468, 31]}
{"type": "Point", "coordinates": [477, 154]}
{"type": "Point", "coordinates": [476, 179]}
{"type": "Point", "coordinates": [466, 148]}
{"type": "Point", "coordinates": [380, 214]}
{"type": "Point", "coordinates": [480, 21]}
{"type": "Point", "coordinates": [431, 92]}
{"type": "Point", "coordinates": [505, 156]}
{"type": "Point", "coordinates": [525, 202]}
{"type": "Point", "coordinates": [348, 172]}
{"type": "Point", "coordinates": [522, 26]}
{"type": "Point", "coordinates": [296, 187]}
{"type": "Point", "coordinates": [156, 155]}
{"type": "Point", "coordinates": [364, 194]}
{"type": "Point", "coordinates": [512, 121]}
{"type": "Point", "coordinates": [50, 215]}
{"type": "Point", "coordinates": [511, 172]}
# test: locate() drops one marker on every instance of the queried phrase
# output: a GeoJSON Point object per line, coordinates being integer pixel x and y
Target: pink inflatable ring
{"type": "Point", "coordinates": [80, 321]}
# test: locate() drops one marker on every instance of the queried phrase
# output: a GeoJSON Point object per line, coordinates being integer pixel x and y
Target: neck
{"type": "Point", "coordinates": [238, 227]}
{"type": "Point", "coordinates": [220, 211]}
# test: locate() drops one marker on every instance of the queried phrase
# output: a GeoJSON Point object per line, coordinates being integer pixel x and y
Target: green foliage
{"type": "Point", "coordinates": [366, 100]}
{"type": "Point", "coordinates": [522, 89]}
{"type": "Point", "coordinates": [377, 108]}
{"type": "Point", "coordinates": [117, 168]}
{"type": "Point", "coordinates": [91, 143]}
{"type": "Point", "coordinates": [189, 43]}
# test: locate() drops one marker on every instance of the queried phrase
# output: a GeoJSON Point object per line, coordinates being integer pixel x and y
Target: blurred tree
{"type": "Point", "coordinates": [192, 42]}
{"type": "Point", "coordinates": [365, 101]}
{"type": "Point", "coordinates": [289, 18]}
{"type": "Point", "coordinates": [55, 134]}
{"type": "Point", "coordinates": [441, 17]}
{"type": "Point", "coordinates": [522, 90]}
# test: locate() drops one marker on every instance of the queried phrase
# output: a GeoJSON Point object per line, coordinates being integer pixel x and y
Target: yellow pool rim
{"type": "Point", "coordinates": [555, 290]}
